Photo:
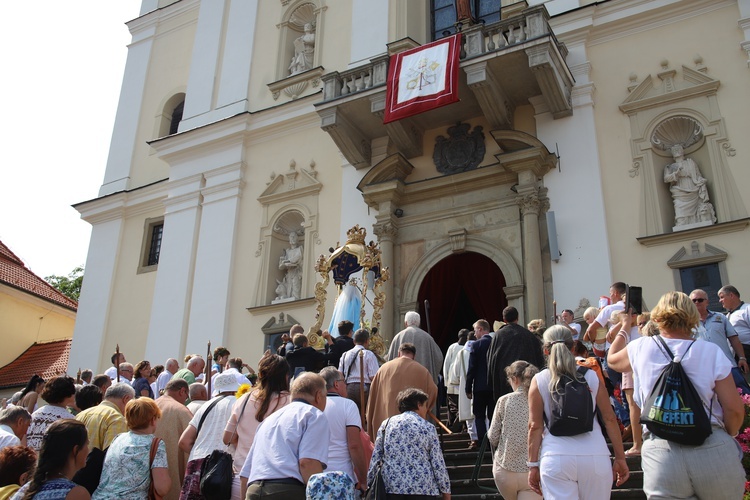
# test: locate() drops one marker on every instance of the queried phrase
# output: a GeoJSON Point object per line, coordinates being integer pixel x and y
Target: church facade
{"type": "Point", "coordinates": [593, 142]}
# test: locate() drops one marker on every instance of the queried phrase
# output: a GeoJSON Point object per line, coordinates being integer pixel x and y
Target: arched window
{"type": "Point", "coordinates": [170, 115]}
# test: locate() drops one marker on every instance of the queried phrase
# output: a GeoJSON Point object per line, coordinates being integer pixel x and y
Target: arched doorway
{"type": "Point", "coordinates": [461, 289]}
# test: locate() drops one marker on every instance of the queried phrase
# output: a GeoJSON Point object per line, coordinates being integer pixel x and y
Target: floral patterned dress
{"type": "Point", "coordinates": [126, 475]}
{"type": "Point", "coordinates": [412, 460]}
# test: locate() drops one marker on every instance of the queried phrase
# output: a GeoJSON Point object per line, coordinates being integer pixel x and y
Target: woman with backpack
{"type": "Point", "coordinates": [568, 455]}
{"type": "Point", "coordinates": [711, 470]}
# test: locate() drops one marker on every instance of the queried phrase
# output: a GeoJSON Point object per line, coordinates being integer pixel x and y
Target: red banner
{"type": "Point", "coordinates": [422, 78]}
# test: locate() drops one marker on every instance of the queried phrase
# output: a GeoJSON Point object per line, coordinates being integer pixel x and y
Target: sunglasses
{"type": "Point", "coordinates": [699, 301]}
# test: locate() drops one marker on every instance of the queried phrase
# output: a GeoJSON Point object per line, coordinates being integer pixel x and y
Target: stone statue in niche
{"type": "Point", "coordinates": [304, 50]}
{"type": "Point", "coordinates": [290, 261]}
{"type": "Point", "coordinates": [692, 207]}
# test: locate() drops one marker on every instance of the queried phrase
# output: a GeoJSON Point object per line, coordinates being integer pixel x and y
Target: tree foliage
{"type": "Point", "coordinates": [69, 285]}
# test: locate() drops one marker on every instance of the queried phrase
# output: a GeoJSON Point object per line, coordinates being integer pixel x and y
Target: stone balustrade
{"type": "Point", "coordinates": [340, 84]}
{"type": "Point", "coordinates": [531, 24]}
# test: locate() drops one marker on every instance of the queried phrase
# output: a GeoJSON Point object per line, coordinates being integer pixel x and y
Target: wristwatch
{"type": "Point", "coordinates": [532, 464]}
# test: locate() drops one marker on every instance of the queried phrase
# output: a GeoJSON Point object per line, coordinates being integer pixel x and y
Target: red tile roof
{"type": "Point", "coordinates": [47, 359]}
{"type": "Point", "coordinates": [14, 273]}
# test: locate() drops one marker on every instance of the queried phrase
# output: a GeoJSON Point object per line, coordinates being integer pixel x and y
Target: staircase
{"type": "Point", "coordinates": [461, 461]}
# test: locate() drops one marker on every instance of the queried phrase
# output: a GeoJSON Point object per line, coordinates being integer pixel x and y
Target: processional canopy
{"type": "Point", "coordinates": [353, 257]}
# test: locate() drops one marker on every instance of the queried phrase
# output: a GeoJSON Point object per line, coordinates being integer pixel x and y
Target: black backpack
{"type": "Point", "coordinates": [673, 409]}
{"type": "Point", "coordinates": [572, 410]}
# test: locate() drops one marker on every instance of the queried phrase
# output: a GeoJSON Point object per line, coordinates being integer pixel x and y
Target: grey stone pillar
{"type": "Point", "coordinates": [530, 205]}
{"type": "Point", "coordinates": [386, 232]}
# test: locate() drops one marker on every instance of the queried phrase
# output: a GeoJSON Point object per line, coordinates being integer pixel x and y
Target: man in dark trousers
{"type": "Point", "coordinates": [511, 343]}
{"type": "Point", "coordinates": [476, 381]}
{"type": "Point", "coordinates": [335, 348]}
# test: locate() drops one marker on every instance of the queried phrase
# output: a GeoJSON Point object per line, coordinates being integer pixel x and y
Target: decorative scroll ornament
{"type": "Point", "coordinates": [354, 256]}
{"type": "Point", "coordinates": [461, 151]}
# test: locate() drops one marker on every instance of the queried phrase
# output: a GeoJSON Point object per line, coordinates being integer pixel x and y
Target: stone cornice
{"type": "Point", "coordinates": [692, 234]}
{"type": "Point", "coordinates": [602, 23]}
{"type": "Point", "coordinates": [151, 20]}
{"type": "Point", "coordinates": [125, 203]}
{"type": "Point", "coordinates": [272, 308]}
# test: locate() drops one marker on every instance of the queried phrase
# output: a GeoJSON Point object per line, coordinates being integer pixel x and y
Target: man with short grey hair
{"type": "Point", "coordinates": [351, 365]}
{"type": "Point", "coordinates": [428, 355]}
{"type": "Point", "coordinates": [105, 421]}
{"type": "Point", "coordinates": [345, 452]}
{"type": "Point", "coordinates": [171, 366]}
{"type": "Point", "coordinates": [715, 328]}
{"type": "Point", "coordinates": [14, 422]}
{"type": "Point", "coordinates": [298, 434]}
{"type": "Point", "coordinates": [126, 372]}
{"type": "Point", "coordinates": [198, 396]}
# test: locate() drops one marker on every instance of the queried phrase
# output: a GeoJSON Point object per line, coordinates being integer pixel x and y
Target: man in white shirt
{"type": "Point", "coordinates": [345, 452]}
{"type": "Point", "coordinates": [617, 304]}
{"type": "Point", "coordinates": [738, 314]}
{"type": "Point", "coordinates": [14, 422]}
{"type": "Point", "coordinates": [170, 368]}
{"type": "Point", "coordinates": [126, 373]}
{"type": "Point", "coordinates": [349, 365]}
{"type": "Point", "coordinates": [116, 359]}
{"type": "Point", "coordinates": [566, 319]}
{"type": "Point", "coordinates": [298, 434]}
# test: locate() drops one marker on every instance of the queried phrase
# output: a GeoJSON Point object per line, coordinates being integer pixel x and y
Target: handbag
{"type": "Point", "coordinates": [217, 475]}
{"type": "Point", "coordinates": [376, 487]}
{"type": "Point", "coordinates": [152, 494]}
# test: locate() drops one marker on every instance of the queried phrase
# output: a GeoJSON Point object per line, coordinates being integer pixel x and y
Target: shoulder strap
{"type": "Point", "coordinates": [349, 370]}
{"type": "Point", "coordinates": [152, 451]}
{"type": "Point", "coordinates": [205, 414]}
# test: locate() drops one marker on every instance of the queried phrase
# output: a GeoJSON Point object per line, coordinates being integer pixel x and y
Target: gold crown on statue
{"type": "Point", "coordinates": [356, 235]}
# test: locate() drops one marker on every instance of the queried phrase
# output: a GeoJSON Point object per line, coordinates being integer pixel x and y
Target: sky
{"type": "Point", "coordinates": [63, 65]}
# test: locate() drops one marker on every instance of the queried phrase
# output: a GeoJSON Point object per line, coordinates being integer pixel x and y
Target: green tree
{"type": "Point", "coordinates": [69, 285]}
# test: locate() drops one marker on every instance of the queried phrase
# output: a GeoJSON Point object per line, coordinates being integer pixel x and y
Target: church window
{"type": "Point", "coordinates": [151, 246]}
{"type": "Point", "coordinates": [444, 15]}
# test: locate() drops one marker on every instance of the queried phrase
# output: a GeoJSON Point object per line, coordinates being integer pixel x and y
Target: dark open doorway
{"type": "Point", "coordinates": [461, 289]}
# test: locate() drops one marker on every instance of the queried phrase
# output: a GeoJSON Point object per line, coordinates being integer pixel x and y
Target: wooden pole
{"type": "Point", "coordinates": [554, 312]}
{"type": "Point", "coordinates": [362, 387]}
{"type": "Point", "coordinates": [441, 424]}
{"type": "Point", "coordinates": [209, 364]}
{"type": "Point", "coordinates": [117, 361]}
{"type": "Point", "coordinates": [427, 313]}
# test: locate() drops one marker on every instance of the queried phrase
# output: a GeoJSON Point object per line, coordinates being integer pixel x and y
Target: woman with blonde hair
{"type": "Point", "coordinates": [671, 470]}
{"type": "Point", "coordinates": [573, 466]}
{"type": "Point", "coordinates": [509, 434]}
{"type": "Point", "coordinates": [128, 467]}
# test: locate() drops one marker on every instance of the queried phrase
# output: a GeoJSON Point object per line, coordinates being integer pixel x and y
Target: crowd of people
{"type": "Point", "coordinates": [326, 424]}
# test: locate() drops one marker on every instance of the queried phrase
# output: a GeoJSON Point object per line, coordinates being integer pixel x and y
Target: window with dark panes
{"type": "Point", "coordinates": [444, 15]}
{"type": "Point", "coordinates": [176, 118]}
{"type": "Point", "coordinates": [706, 277]}
{"type": "Point", "coordinates": [155, 246]}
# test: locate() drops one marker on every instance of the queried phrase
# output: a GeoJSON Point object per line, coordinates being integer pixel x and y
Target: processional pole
{"type": "Point", "coordinates": [208, 368]}
{"type": "Point", "coordinates": [117, 361]}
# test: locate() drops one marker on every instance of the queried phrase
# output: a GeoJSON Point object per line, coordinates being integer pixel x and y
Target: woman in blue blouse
{"type": "Point", "coordinates": [140, 381]}
{"type": "Point", "coordinates": [408, 445]}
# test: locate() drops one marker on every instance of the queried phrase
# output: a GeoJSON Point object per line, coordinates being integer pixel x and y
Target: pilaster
{"type": "Point", "coordinates": [214, 262]}
{"type": "Point", "coordinates": [386, 231]}
{"type": "Point", "coordinates": [174, 280]}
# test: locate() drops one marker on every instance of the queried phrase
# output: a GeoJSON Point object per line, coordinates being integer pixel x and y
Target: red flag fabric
{"type": "Point", "coordinates": [422, 78]}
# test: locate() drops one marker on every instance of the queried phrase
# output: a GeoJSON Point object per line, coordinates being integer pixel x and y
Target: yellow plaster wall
{"type": "Point", "coordinates": [641, 53]}
{"type": "Point", "coordinates": [130, 314]}
{"type": "Point", "coordinates": [168, 72]}
{"type": "Point", "coordinates": [25, 319]}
